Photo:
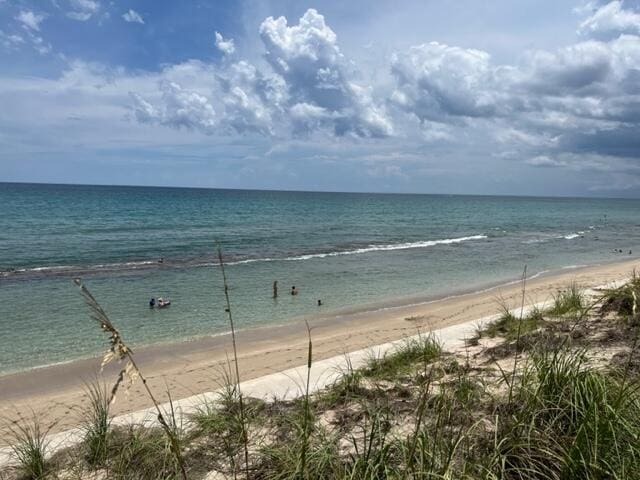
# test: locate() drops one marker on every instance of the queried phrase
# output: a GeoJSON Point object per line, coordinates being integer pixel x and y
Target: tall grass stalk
{"type": "Point", "coordinates": [307, 413]}
{"type": "Point", "coordinates": [119, 351]}
{"type": "Point", "coordinates": [245, 439]}
{"type": "Point", "coordinates": [519, 334]}
{"type": "Point", "coordinates": [422, 407]}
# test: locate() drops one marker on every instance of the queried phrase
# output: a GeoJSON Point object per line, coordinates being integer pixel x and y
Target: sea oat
{"type": "Point", "coordinates": [117, 350]}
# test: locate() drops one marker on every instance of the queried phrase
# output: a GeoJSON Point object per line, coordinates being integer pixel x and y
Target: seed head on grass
{"type": "Point", "coordinates": [117, 350]}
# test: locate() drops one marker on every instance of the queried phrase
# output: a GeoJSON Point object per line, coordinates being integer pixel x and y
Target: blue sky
{"type": "Point", "coordinates": [502, 97]}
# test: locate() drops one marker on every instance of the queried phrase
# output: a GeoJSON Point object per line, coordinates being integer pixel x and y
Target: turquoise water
{"type": "Point", "coordinates": [346, 249]}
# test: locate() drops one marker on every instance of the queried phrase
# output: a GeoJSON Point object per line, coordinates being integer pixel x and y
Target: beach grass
{"type": "Point", "coordinates": [96, 423]}
{"type": "Point", "coordinates": [571, 300]}
{"type": "Point", "coordinates": [30, 445]}
{"type": "Point", "coordinates": [423, 348]}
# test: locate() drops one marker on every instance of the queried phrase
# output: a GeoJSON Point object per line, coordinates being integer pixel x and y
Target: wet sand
{"type": "Point", "coordinates": [55, 393]}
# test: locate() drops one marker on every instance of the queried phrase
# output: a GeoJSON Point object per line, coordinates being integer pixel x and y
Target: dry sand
{"type": "Point", "coordinates": [55, 394]}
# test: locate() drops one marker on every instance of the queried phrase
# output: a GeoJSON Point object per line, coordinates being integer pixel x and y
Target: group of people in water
{"type": "Point", "coordinates": [294, 291]}
{"type": "Point", "coordinates": [162, 302]}
{"type": "Point", "coordinates": [619, 250]}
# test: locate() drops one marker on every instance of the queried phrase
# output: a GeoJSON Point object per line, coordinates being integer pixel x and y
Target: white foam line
{"type": "Point", "coordinates": [370, 248]}
{"type": "Point", "coordinates": [287, 384]}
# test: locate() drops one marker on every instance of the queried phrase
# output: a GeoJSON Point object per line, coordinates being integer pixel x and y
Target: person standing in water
{"type": "Point", "coordinates": [294, 291]}
{"type": "Point", "coordinates": [275, 289]}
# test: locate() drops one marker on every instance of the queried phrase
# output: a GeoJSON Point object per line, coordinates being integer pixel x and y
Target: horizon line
{"type": "Point", "coordinates": [177, 187]}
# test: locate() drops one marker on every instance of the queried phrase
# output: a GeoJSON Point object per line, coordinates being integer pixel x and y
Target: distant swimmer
{"type": "Point", "coordinates": [319, 303]}
{"type": "Point", "coordinates": [152, 303]}
{"type": "Point", "coordinates": [275, 289]}
{"type": "Point", "coordinates": [629, 252]}
{"type": "Point", "coordinates": [294, 291]}
{"type": "Point", "coordinates": [161, 260]}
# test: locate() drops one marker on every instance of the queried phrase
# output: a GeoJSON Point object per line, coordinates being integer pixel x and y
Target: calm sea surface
{"type": "Point", "coordinates": [346, 249]}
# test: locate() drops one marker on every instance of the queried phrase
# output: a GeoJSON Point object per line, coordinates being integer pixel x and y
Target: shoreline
{"type": "Point", "coordinates": [192, 367]}
{"type": "Point", "coordinates": [388, 304]}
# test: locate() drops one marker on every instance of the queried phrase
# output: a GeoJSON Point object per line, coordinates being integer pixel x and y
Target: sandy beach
{"type": "Point", "coordinates": [55, 393]}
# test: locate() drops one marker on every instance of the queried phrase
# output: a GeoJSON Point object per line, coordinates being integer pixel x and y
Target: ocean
{"type": "Point", "coordinates": [352, 251]}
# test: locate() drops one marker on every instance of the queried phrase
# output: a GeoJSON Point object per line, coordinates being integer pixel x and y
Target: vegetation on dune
{"type": "Point", "coordinates": [30, 446]}
{"type": "Point", "coordinates": [622, 300]}
{"type": "Point", "coordinates": [545, 407]}
{"type": "Point", "coordinates": [568, 301]}
{"type": "Point", "coordinates": [508, 326]}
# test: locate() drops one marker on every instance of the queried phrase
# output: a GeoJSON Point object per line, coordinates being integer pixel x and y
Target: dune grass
{"type": "Point", "coordinates": [621, 300]}
{"type": "Point", "coordinates": [509, 326]}
{"type": "Point", "coordinates": [571, 300]}
{"type": "Point", "coordinates": [423, 348]}
{"type": "Point", "coordinates": [96, 423]}
{"type": "Point", "coordinates": [30, 444]}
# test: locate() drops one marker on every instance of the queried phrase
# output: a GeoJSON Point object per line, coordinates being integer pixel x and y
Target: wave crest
{"type": "Point", "coordinates": [368, 249]}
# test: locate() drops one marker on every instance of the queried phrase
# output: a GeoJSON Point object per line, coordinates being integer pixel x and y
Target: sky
{"type": "Point", "coordinates": [508, 97]}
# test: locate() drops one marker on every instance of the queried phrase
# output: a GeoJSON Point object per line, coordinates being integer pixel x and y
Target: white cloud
{"type": "Point", "coordinates": [572, 70]}
{"type": "Point", "coordinates": [611, 18]}
{"type": "Point", "coordinates": [435, 81]}
{"type": "Point", "coordinates": [225, 46]}
{"type": "Point", "coordinates": [30, 20]}
{"type": "Point", "coordinates": [181, 108]}
{"type": "Point", "coordinates": [308, 58]}
{"type": "Point", "coordinates": [306, 91]}
{"type": "Point", "coordinates": [11, 41]}
{"type": "Point", "coordinates": [132, 17]}
{"type": "Point", "coordinates": [545, 161]}
{"type": "Point", "coordinates": [83, 10]}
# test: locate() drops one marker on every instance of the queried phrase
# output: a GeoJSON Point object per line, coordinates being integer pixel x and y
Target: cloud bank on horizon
{"type": "Point", "coordinates": [279, 102]}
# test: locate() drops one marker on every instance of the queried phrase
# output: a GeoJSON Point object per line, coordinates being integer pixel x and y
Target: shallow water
{"type": "Point", "coordinates": [346, 249]}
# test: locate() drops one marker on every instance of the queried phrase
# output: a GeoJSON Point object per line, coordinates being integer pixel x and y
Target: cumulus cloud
{"type": "Point", "coordinates": [83, 10]}
{"type": "Point", "coordinates": [133, 17]}
{"type": "Point", "coordinates": [180, 108]}
{"type": "Point", "coordinates": [236, 99]}
{"type": "Point", "coordinates": [580, 99]}
{"type": "Point", "coordinates": [308, 58]}
{"type": "Point", "coordinates": [575, 70]}
{"type": "Point", "coordinates": [611, 18]}
{"type": "Point", "coordinates": [252, 101]}
{"type": "Point", "coordinates": [307, 89]}
{"type": "Point", "coordinates": [30, 20]}
{"type": "Point", "coordinates": [435, 81]}
{"type": "Point", "coordinates": [225, 46]}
